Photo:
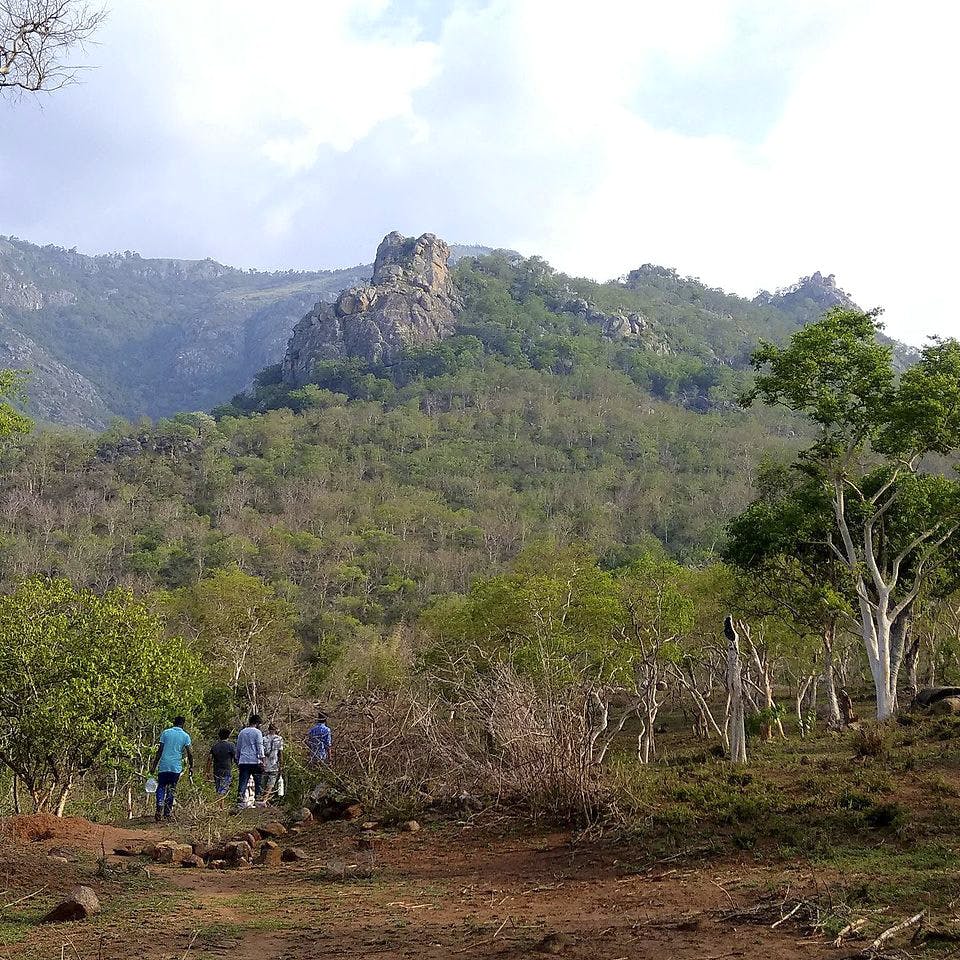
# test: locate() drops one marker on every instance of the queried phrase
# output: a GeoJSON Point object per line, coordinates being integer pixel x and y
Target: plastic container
{"type": "Point", "coordinates": [151, 785]}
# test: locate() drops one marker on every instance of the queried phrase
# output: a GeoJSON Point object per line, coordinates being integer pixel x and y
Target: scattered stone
{"type": "Point", "coordinates": [80, 903]}
{"type": "Point", "coordinates": [353, 811]}
{"type": "Point", "coordinates": [270, 854]}
{"type": "Point", "coordinates": [127, 850]}
{"type": "Point", "coordinates": [296, 829]}
{"type": "Point", "coordinates": [365, 841]}
{"type": "Point", "coordinates": [218, 864]}
{"type": "Point", "coordinates": [203, 850]}
{"type": "Point", "coordinates": [170, 852]}
{"type": "Point", "coordinates": [411, 826]}
{"type": "Point", "coordinates": [294, 854]}
{"type": "Point", "coordinates": [253, 838]}
{"type": "Point", "coordinates": [948, 706]}
{"type": "Point", "coordinates": [194, 861]}
{"type": "Point", "coordinates": [149, 850]}
{"type": "Point", "coordinates": [273, 830]}
{"type": "Point", "coordinates": [238, 851]}
{"type": "Point", "coordinates": [369, 825]}
{"type": "Point", "coordinates": [60, 853]}
{"type": "Point", "coordinates": [302, 816]}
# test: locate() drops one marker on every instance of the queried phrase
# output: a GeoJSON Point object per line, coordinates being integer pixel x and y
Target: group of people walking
{"type": "Point", "coordinates": [258, 758]}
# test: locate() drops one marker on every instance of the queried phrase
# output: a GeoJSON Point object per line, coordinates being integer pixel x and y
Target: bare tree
{"type": "Point", "coordinates": [37, 38]}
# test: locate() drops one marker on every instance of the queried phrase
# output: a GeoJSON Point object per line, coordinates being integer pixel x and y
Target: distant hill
{"type": "Point", "coordinates": [120, 335]}
{"type": "Point", "coordinates": [416, 320]}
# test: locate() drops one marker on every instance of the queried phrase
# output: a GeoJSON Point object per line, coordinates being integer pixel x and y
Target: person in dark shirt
{"type": "Point", "coordinates": [222, 756]}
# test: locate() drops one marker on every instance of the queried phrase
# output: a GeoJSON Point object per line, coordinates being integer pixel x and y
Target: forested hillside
{"type": "Point", "coordinates": [362, 496]}
{"type": "Point", "coordinates": [120, 335]}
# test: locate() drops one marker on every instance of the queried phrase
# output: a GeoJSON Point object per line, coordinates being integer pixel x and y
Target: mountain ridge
{"type": "Point", "coordinates": [120, 335]}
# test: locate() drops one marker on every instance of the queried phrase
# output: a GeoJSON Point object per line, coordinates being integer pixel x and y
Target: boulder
{"type": "Point", "coordinates": [149, 850]}
{"type": "Point", "coordinates": [294, 854]}
{"type": "Point", "coordinates": [947, 706]}
{"type": "Point", "coordinates": [194, 861]}
{"type": "Point", "coordinates": [80, 903]}
{"type": "Point", "coordinates": [273, 829]}
{"type": "Point", "coordinates": [411, 826]}
{"type": "Point", "coordinates": [927, 697]}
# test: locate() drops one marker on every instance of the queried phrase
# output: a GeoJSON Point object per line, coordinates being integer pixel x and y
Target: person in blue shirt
{"type": "Point", "coordinates": [250, 756]}
{"type": "Point", "coordinates": [319, 741]}
{"type": "Point", "coordinates": [167, 764]}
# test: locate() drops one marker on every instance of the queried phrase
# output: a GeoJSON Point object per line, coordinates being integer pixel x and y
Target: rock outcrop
{"type": "Point", "coordinates": [614, 325]}
{"type": "Point", "coordinates": [410, 300]}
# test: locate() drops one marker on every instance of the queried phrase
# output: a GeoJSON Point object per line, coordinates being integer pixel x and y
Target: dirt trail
{"type": "Point", "coordinates": [443, 892]}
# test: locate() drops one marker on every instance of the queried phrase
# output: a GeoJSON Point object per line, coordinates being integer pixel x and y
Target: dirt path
{"type": "Point", "coordinates": [443, 892]}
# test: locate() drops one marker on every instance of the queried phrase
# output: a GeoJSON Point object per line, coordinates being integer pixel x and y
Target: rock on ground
{"type": "Point", "coordinates": [80, 903]}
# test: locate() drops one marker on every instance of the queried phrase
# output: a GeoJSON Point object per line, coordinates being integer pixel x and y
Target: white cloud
{"type": "Point", "coordinates": [298, 135]}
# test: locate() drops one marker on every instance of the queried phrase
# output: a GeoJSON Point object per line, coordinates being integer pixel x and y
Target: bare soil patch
{"type": "Point", "coordinates": [447, 891]}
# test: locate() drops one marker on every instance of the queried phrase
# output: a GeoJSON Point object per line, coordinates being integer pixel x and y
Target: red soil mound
{"type": "Point", "coordinates": [45, 826]}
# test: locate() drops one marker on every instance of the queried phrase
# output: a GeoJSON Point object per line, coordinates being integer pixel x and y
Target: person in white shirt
{"type": "Point", "coordinates": [250, 756]}
{"type": "Point", "coordinates": [272, 762]}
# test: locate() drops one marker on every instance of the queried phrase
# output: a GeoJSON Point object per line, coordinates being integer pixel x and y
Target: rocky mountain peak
{"type": "Point", "coordinates": [817, 290]}
{"type": "Point", "coordinates": [410, 300]}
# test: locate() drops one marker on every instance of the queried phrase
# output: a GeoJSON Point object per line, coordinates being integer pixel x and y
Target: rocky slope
{"type": "Point", "coordinates": [410, 300]}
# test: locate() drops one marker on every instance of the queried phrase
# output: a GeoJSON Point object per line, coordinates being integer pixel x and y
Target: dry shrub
{"type": "Point", "coordinates": [871, 742]}
{"type": "Point", "coordinates": [499, 737]}
{"type": "Point", "coordinates": [392, 750]}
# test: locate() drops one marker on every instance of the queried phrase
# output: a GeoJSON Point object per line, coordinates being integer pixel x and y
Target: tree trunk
{"type": "Point", "coordinates": [737, 731]}
{"type": "Point", "coordinates": [829, 676]}
{"type": "Point", "coordinates": [62, 799]}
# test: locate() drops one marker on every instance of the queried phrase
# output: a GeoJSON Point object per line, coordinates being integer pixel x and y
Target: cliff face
{"type": "Point", "coordinates": [410, 300]}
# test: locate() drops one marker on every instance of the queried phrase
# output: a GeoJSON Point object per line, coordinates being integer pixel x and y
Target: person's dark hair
{"type": "Point", "coordinates": [272, 728]}
{"type": "Point", "coordinates": [321, 717]}
{"type": "Point", "coordinates": [179, 721]}
{"type": "Point", "coordinates": [254, 720]}
{"type": "Point", "coordinates": [224, 734]}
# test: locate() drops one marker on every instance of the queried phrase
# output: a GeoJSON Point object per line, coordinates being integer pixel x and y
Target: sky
{"type": "Point", "coordinates": [744, 142]}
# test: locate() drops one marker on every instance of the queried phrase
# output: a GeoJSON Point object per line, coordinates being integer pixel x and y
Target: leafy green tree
{"type": "Point", "coordinates": [890, 524]}
{"type": "Point", "coordinates": [246, 632]}
{"type": "Point", "coordinates": [81, 676]}
{"type": "Point", "coordinates": [788, 571]}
